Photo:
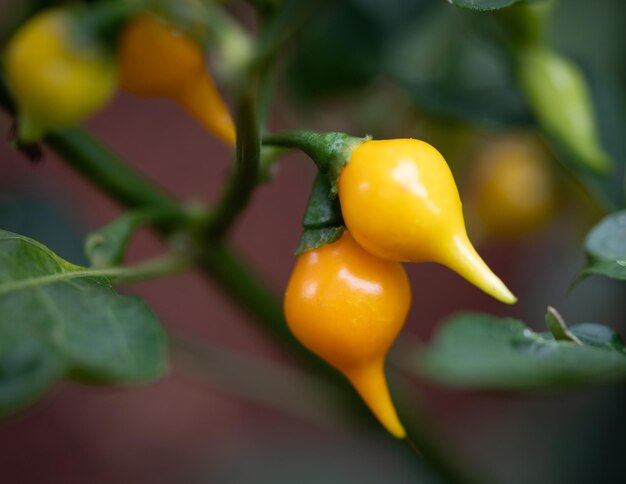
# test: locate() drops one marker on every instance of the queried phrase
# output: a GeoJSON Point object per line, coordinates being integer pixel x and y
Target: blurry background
{"type": "Point", "coordinates": [417, 68]}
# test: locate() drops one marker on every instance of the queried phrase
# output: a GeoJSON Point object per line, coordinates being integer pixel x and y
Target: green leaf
{"type": "Point", "coordinates": [106, 246]}
{"type": "Point", "coordinates": [606, 248]}
{"type": "Point", "coordinates": [479, 351]}
{"type": "Point", "coordinates": [28, 369]}
{"type": "Point", "coordinates": [558, 328]}
{"type": "Point", "coordinates": [598, 335]}
{"type": "Point", "coordinates": [56, 322]}
{"type": "Point", "coordinates": [483, 4]}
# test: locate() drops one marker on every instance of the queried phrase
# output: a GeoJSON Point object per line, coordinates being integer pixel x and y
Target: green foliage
{"type": "Point", "coordinates": [345, 46]}
{"type": "Point", "coordinates": [478, 351]}
{"type": "Point", "coordinates": [106, 246]}
{"type": "Point", "coordinates": [483, 4]}
{"type": "Point", "coordinates": [60, 320]}
{"type": "Point", "coordinates": [460, 65]}
{"type": "Point", "coordinates": [606, 248]}
{"type": "Point", "coordinates": [57, 319]}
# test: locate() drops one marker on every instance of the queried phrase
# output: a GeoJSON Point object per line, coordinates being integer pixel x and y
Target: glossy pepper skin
{"type": "Point", "coordinates": [400, 202]}
{"type": "Point", "coordinates": [347, 306]}
{"type": "Point", "coordinates": [156, 60]}
{"type": "Point", "coordinates": [56, 81]}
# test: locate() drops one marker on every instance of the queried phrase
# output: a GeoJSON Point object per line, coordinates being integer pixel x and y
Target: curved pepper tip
{"type": "Point", "coordinates": [371, 384]}
{"type": "Point", "coordinates": [465, 261]}
{"type": "Point", "coordinates": [200, 97]}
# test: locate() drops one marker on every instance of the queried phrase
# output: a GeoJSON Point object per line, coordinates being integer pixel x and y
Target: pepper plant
{"type": "Point", "coordinates": [375, 203]}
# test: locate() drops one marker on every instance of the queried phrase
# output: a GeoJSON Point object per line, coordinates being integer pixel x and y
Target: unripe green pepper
{"type": "Point", "coordinates": [559, 97]}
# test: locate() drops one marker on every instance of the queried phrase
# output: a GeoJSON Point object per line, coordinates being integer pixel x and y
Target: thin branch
{"type": "Point", "coordinates": [245, 175]}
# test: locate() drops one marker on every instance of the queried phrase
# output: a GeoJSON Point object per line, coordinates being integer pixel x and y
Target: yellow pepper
{"type": "Point", "coordinates": [156, 60]}
{"type": "Point", "coordinates": [511, 189]}
{"type": "Point", "coordinates": [348, 306]}
{"type": "Point", "coordinates": [55, 80]}
{"type": "Point", "coordinates": [400, 202]}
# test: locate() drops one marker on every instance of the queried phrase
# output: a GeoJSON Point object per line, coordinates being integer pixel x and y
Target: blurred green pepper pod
{"type": "Point", "coordinates": [558, 95]}
{"type": "Point", "coordinates": [554, 86]}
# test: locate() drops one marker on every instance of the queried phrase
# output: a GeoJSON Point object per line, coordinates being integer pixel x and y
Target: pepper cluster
{"type": "Point", "coordinates": [348, 296]}
{"type": "Point", "coordinates": [376, 203]}
{"type": "Point", "coordinates": [63, 65]}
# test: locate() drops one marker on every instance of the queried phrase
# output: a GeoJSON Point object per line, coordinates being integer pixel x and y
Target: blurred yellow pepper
{"type": "Point", "coordinates": [156, 60]}
{"type": "Point", "coordinates": [511, 192]}
{"type": "Point", "coordinates": [56, 81]}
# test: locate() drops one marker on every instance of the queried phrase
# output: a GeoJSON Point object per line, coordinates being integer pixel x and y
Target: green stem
{"type": "Point", "coordinates": [225, 34]}
{"type": "Point", "coordinates": [255, 84]}
{"type": "Point", "coordinates": [160, 267]}
{"type": "Point", "coordinates": [245, 175]}
{"type": "Point", "coordinates": [329, 151]}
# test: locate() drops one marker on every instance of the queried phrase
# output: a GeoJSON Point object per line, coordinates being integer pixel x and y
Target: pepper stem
{"type": "Point", "coordinates": [330, 151]}
{"type": "Point", "coordinates": [29, 129]}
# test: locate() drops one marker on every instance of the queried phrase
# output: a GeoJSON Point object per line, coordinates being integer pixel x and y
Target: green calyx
{"type": "Point", "coordinates": [322, 222]}
{"type": "Point", "coordinates": [330, 151]}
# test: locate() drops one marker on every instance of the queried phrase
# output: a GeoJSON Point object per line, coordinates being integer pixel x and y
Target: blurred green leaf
{"type": "Point", "coordinates": [499, 106]}
{"type": "Point", "coordinates": [483, 4]}
{"type": "Point", "coordinates": [451, 69]}
{"type": "Point", "coordinates": [478, 351]}
{"type": "Point", "coordinates": [558, 328]}
{"type": "Point", "coordinates": [342, 49]}
{"type": "Point", "coordinates": [106, 246]}
{"type": "Point", "coordinates": [606, 248]}
{"type": "Point", "coordinates": [53, 322]}
{"type": "Point", "coordinates": [334, 54]}
{"type": "Point", "coordinates": [28, 368]}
